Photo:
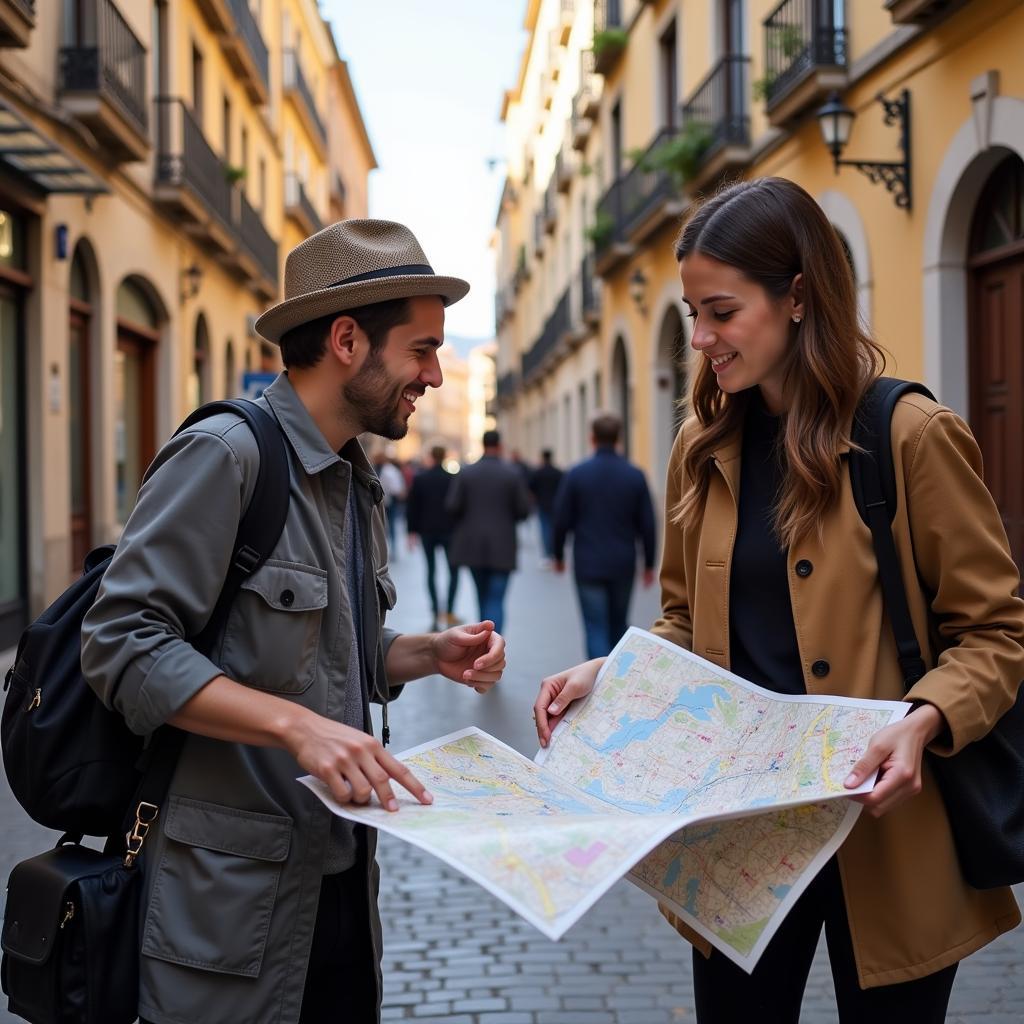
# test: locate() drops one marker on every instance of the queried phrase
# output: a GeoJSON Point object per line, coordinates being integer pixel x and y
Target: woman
{"type": "Point", "coordinates": [769, 571]}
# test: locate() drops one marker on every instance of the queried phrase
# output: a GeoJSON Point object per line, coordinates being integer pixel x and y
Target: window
{"type": "Point", "coordinates": [197, 84]}
{"type": "Point", "coordinates": [668, 57]}
{"type": "Point", "coordinates": [617, 140]}
{"type": "Point", "coordinates": [226, 131]}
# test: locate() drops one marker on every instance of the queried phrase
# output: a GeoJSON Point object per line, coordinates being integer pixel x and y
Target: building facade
{"type": "Point", "coordinates": [626, 111]}
{"type": "Point", "coordinates": [157, 160]}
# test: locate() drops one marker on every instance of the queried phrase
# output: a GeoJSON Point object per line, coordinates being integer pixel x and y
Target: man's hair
{"type": "Point", "coordinates": [304, 346]}
{"type": "Point", "coordinates": [437, 453]}
{"type": "Point", "coordinates": [491, 439]}
{"type": "Point", "coordinates": [547, 454]}
{"type": "Point", "coordinates": [605, 427]}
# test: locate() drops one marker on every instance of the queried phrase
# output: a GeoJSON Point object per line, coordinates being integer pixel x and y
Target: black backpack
{"type": "Point", "coordinates": [72, 764]}
{"type": "Point", "coordinates": [983, 785]}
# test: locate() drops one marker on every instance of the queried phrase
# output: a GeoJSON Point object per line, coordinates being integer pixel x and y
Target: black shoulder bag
{"type": "Point", "coordinates": [73, 916]}
{"type": "Point", "coordinates": [983, 785]}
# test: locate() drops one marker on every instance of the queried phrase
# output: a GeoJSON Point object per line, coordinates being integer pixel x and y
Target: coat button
{"type": "Point", "coordinates": [804, 568]}
{"type": "Point", "coordinates": [821, 669]}
{"type": "Point", "coordinates": [287, 598]}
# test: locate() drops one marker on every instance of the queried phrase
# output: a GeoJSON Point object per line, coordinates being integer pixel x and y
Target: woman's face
{"type": "Point", "coordinates": [738, 327]}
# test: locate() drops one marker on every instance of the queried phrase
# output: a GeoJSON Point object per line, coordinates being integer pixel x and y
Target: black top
{"type": "Point", "coordinates": [425, 511]}
{"type": "Point", "coordinates": [544, 481]}
{"type": "Point", "coordinates": [762, 644]}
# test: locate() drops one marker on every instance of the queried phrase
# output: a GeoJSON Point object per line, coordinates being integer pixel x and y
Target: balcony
{"type": "Point", "coordinates": [247, 52]}
{"type": "Point", "coordinates": [805, 57]}
{"type": "Point", "coordinates": [507, 387]}
{"type": "Point", "coordinates": [218, 15]}
{"type": "Point", "coordinates": [610, 35]}
{"type": "Point", "coordinates": [717, 118]}
{"type": "Point", "coordinates": [915, 12]}
{"type": "Point", "coordinates": [297, 88]}
{"type": "Point", "coordinates": [522, 274]}
{"type": "Point", "coordinates": [550, 345]}
{"type": "Point", "coordinates": [102, 81]}
{"type": "Point", "coordinates": [587, 308]}
{"type": "Point", "coordinates": [563, 171]}
{"type": "Point", "coordinates": [539, 220]}
{"type": "Point", "coordinates": [637, 204]}
{"type": "Point", "coordinates": [17, 19]}
{"type": "Point", "coordinates": [504, 306]}
{"type": "Point", "coordinates": [298, 206]}
{"type": "Point", "coordinates": [551, 204]}
{"type": "Point", "coordinates": [192, 185]}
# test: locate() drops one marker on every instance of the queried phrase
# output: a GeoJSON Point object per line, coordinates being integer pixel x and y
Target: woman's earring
{"type": "Point", "coordinates": [797, 319]}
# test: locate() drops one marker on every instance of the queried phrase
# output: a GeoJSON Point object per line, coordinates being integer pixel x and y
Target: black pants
{"type": "Point", "coordinates": [431, 544]}
{"type": "Point", "coordinates": [726, 994]}
{"type": "Point", "coordinates": [341, 983]}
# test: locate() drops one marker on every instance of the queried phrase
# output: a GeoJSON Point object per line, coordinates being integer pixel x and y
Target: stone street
{"type": "Point", "coordinates": [455, 954]}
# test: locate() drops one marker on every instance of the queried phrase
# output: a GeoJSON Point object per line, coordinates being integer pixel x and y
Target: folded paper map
{"type": "Point", "coordinates": [719, 798]}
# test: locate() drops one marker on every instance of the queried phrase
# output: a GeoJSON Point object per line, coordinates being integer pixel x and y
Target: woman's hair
{"type": "Point", "coordinates": [770, 230]}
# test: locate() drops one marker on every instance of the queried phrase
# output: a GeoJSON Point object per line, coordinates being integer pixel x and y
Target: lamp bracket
{"type": "Point", "coordinates": [894, 174]}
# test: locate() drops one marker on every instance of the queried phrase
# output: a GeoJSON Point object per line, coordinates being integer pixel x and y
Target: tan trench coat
{"type": "Point", "coordinates": [910, 911]}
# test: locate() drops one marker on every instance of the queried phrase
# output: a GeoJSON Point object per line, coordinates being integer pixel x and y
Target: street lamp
{"type": "Point", "coordinates": [191, 279]}
{"type": "Point", "coordinates": [836, 120]}
{"type": "Point", "coordinates": [638, 290]}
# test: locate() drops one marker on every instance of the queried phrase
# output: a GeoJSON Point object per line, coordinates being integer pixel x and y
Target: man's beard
{"type": "Point", "coordinates": [374, 398]}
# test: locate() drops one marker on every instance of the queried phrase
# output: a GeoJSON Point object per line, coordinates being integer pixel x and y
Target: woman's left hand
{"type": "Point", "coordinates": [896, 751]}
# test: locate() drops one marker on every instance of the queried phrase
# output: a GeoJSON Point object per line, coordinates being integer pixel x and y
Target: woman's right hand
{"type": "Point", "coordinates": [557, 692]}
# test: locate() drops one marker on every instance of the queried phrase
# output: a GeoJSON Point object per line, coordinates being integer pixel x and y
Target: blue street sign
{"type": "Point", "coordinates": [253, 384]}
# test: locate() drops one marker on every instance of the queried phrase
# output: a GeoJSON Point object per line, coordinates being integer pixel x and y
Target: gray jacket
{"type": "Point", "coordinates": [233, 869]}
{"type": "Point", "coordinates": [486, 500]}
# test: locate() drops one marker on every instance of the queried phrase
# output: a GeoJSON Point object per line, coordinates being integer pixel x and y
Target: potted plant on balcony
{"type": "Point", "coordinates": [233, 175]}
{"type": "Point", "coordinates": [789, 41]}
{"type": "Point", "coordinates": [600, 232]}
{"type": "Point", "coordinates": [681, 155]}
{"type": "Point", "coordinates": [608, 44]}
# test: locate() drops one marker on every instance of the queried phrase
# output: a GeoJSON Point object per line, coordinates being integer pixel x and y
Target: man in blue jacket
{"type": "Point", "coordinates": [604, 502]}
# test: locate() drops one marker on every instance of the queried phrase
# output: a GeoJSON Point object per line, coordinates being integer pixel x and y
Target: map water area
{"type": "Point", "coordinates": [718, 797]}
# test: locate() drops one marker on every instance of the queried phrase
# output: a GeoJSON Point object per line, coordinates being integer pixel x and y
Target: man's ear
{"type": "Point", "coordinates": [343, 340]}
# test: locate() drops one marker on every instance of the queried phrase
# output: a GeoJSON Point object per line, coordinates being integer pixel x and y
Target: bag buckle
{"type": "Point", "coordinates": [246, 559]}
{"type": "Point", "coordinates": [145, 815]}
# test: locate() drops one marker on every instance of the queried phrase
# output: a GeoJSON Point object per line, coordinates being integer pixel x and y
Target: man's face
{"type": "Point", "coordinates": [384, 392]}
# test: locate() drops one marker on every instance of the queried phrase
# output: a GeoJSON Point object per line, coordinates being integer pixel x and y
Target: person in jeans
{"type": "Point", "coordinates": [259, 905]}
{"type": "Point", "coordinates": [769, 571]}
{"type": "Point", "coordinates": [487, 500]}
{"type": "Point", "coordinates": [429, 521]}
{"type": "Point", "coordinates": [606, 506]}
{"type": "Point", "coordinates": [544, 483]}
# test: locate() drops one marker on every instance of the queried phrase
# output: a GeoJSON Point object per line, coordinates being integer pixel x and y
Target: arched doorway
{"type": "Point", "coordinates": [996, 346]}
{"type": "Point", "coordinates": [669, 387]}
{"type": "Point", "coordinates": [81, 317]}
{"type": "Point", "coordinates": [134, 391]}
{"type": "Point", "coordinates": [620, 391]}
{"type": "Point", "coordinates": [199, 378]}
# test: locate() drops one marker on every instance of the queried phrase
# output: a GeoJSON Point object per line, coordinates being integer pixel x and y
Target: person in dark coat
{"type": "Point", "coordinates": [544, 481]}
{"type": "Point", "coordinates": [604, 502]}
{"type": "Point", "coordinates": [487, 499]}
{"type": "Point", "coordinates": [429, 520]}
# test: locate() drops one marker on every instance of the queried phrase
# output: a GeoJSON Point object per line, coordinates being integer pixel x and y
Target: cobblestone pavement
{"type": "Point", "coordinates": [455, 954]}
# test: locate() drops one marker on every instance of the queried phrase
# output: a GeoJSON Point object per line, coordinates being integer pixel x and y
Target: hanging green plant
{"type": "Point", "coordinates": [681, 155]}
{"type": "Point", "coordinates": [788, 39]}
{"type": "Point", "coordinates": [761, 89]}
{"type": "Point", "coordinates": [599, 234]}
{"type": "Point", "coordinates": [586, 169]}
{"type": "Point", "coordinates": [608, 42]}
{"type": "Point", "coordinates": [233, 175]}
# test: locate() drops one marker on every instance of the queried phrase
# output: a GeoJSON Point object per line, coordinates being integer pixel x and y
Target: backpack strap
{"type": "Point", "coordinates": [873, 478]}
{"type": "Point", "coordinates": [258, 531]}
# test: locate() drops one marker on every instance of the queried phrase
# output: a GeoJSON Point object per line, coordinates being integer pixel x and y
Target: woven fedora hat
{"type": "Point", "coordinates": [349, 264]}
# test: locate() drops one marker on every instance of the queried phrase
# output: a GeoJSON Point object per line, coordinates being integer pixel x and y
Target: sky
{"type": "Point", "coordinates": [430, 76]}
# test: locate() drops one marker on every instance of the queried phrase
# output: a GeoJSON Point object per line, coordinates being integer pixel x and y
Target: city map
{"type": "Point", "coordinates": [719, 798]}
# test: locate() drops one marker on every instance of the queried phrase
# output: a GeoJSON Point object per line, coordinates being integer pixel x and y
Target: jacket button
{"type": "Point", "coordinates": [287, 598]}
{"type": "Point", "coordinates": [821, 669]}
{"type": "Point", "coordinates": [804, 568]}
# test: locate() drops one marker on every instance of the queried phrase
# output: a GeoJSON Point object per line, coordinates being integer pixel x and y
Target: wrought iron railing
{"type": "Point", "coordinates": [27, 7]}
{"type": "Point", "coordinates": [295, 196]}
{"type": "Point", "coordinates": [555, 328]}
{"type": "Point", "coordinates": [507, 385]}
{"type": "Point", "coordinates": [107, 58]}
{"type": "Point", "coordinates": [607, 14]}
{"type": "Point", "coordinates": [250, 33]}
{"type": "Point", "coordinates": [800, 35]}
{"type": "Point", "coordinates": [295, 80]}
{"type": "Point", "coordinates": [720, 106]}
{"type": "Point", "coordinates": [634, 196]}
{"type": "Point", "coordinates": [255, 238]}
{"type": "Point", "coordinates": [587, 290]}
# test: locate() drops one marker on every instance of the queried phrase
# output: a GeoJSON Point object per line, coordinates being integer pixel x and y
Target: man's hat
{"type": "Point", "coordinates": [349, 264]}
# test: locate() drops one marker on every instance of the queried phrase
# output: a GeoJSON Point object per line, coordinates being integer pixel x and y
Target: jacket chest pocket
{"type": "Point", "coordinates": [273, 633]}
{"type": "Point", "coordinates": [215, 887]}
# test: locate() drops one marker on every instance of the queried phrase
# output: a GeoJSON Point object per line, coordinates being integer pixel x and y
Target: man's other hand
{"type": "Point", "coordinates": [473, 655]}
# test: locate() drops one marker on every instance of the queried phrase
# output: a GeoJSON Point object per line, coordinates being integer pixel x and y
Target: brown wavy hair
{"type": "Point", "coordinates": [770, 230]}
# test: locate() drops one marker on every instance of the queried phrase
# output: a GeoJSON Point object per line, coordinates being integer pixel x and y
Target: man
{"type": "Point", "coordinates": [429, 520]}
{"type": "Point", "coordinates": [259, 905]}
{"type": "Point", "coordinates": [604, 502]}
{"type": "Point", "coordinates": [487, 499]}
{"type": "Point", "coordinates": [544, 481]}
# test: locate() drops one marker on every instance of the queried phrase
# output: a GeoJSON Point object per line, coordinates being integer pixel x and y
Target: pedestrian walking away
{"type": "Point", "coordinates": [259, 905]}
{"type": "Point", "coordinates": [769, 570]}
{"type": "Point", "coordinates": [393, 483]}
{"type": "Point", "coordinates": [487, 500]}
{"type": "Point", "coordinates": [544, 481]}
{"type": "Point", "coordinates": [605, 504]}
{"type": "Point", "coordinates": [429, 522]}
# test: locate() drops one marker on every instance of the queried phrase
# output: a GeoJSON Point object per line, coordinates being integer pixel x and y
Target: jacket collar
{"type": "Point", "coordinates": [309, 444]}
